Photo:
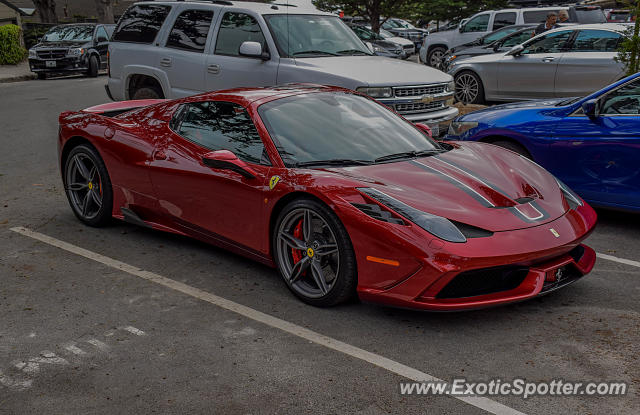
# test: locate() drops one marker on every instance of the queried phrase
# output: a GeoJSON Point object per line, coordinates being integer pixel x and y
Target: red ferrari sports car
{"type": "Point", "coordinates": [338, 192]}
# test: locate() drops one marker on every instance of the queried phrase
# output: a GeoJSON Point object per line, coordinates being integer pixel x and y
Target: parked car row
{"type": "Point", "coordinates": [564, 62]}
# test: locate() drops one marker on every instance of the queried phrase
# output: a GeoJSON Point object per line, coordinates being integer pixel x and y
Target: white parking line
{"type": "Point", "coordinates": [99, 345]}
{"type": "Point", "coordinates": [620, 260]}
{"type": "Point", "coordinates": [331, 343]}
{"type": "Point", "coordinates": [133, 330]}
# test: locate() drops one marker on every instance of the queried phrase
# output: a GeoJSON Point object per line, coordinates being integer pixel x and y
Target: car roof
{"type": "Point", "coordinates": [247, 96]}
{"type": "Point", "coordinates": [261, 8]}
{"type": "Point", "coordinates": [616, 27]}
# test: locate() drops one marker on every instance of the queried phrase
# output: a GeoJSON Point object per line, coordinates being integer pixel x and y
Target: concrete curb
{"type": "Point", "coordinates": [18, 78]}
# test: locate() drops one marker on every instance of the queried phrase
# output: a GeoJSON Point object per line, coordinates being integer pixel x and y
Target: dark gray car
{"type": "Point", "coordinates": [71, 48]}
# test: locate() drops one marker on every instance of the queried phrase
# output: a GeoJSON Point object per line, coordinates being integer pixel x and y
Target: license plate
{"type": "Point", "coordinates": [435, 130]}
{"type": "Point", "coordinates": [50, 64]}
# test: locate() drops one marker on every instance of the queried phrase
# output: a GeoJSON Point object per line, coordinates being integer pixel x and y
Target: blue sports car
{"type": "Point", "coordinates": [591, 143]}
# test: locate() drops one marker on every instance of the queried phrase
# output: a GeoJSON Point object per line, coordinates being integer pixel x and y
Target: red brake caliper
{"type": "Point", "coordinates": [297, 233]}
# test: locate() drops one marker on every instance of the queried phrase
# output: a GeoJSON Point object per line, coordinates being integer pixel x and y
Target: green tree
{"type": "Point", "coordinates": [370, 9]}
{"type": "Point", "coordinates": [629, 49]}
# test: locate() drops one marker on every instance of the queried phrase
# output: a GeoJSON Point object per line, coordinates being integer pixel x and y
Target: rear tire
{"type": "Point", "coordinates": [434, 57]}
{"type": "Point", "coordinates": [88, 186]}
{"type": "Point", "coordinates": [93, 66]}
{"type": "Point", "coordinates": [147, 92]}
{"type": "Point", "coordinates": [321, 271]}
{"type": "Point", "coordinates": [515, 147]}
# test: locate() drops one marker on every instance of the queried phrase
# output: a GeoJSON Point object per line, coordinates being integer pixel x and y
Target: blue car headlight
{"type": "Point", "coordinates": [438, 226]}
{"type": "Point", "coordinates": [457, 128]}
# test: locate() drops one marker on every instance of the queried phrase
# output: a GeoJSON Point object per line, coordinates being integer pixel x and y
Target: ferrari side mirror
{"type": "Point", "coordinates": [424, 128]}
{"type": "Point", "coordinates": [226, 160]}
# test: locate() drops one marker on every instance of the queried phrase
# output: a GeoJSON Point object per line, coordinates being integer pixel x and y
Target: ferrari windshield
{"type": "Point", "coordinates": [80, 33]}
{"type": "Point", "coordinates": [341, 128]}
{"type": "Point", "coordinates": [308, 36]}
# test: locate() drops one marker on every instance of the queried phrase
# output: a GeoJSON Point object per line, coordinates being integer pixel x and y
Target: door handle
{"type": "Point", "coordinates": [213, 69]}
{"type": "Point", "coordinates": [159, 155]}
{"type": "Point", "coordinates": [165, 62]}
{"type": "Point", "coordinates": [548, 59]}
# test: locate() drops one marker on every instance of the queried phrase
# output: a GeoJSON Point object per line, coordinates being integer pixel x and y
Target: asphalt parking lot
{"type": "Point", "coordinates": [127, 320]}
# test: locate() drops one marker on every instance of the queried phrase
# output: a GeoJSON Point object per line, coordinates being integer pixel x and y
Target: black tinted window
{"type": "Point", "coordinates": [477, 24]}
{"type": "Point", "coordinates": [190, 30]}
{"type": "Point", "coordinates": [596, 41]}
{"type": "Point", "coordinates": [551, 43]}
{"type": "Point", "coordinates": [101, 34]}
{"type": "Point", "coordinates": [325, 126]}
{"type": "Point", "coordinates": [141, 23]}
{"type": "Point", "coordinates": [503, 19]}
{"type": "Point", "coordinates": [235, 29]}
{"type": "Point", "coordinates": [623, 101]}
{"type": "Point", "coordinates": [221, 126]}
{"type": "Point", "coordinates": [536, 16]}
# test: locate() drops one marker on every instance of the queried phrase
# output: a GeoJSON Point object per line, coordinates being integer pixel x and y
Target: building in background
{"type": "Point", "coordinates": [13, 11]}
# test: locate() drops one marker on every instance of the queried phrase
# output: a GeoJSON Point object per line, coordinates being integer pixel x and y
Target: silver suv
{"type": "Point", "coordinates": [175, 49]}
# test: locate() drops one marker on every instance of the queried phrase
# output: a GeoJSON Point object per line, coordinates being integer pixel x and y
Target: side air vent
{"type": "Point", "coordinates": [376, 212]}
{"type": "Point", "coordinates": [472, 231]}
{"type": "Point", "coordinates": [524, 200]}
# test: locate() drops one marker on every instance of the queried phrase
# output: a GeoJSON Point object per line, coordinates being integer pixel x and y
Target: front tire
{"type": "Point", "coordinates": [93, 66]}
{"type": "Point", "coordinates": [469, 89]}
{"type": "Point", "coordinates": [88, 186]}
{"type": "Point", "coordinates": [314, 255]}
{"type": "Point", "coordinates": [42, 75]}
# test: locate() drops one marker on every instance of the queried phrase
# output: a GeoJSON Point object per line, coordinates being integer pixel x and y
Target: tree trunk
{"type": "Point", "coordinates": [634, 61]}
{"type": "Point", "coordinates": [374, 15]}
{"type": "Point", "coordinates": [46, 10]}
{"type": "Point", "coordinates": [105, 11]}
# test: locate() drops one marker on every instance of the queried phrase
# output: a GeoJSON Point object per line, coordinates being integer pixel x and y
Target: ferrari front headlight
{"type": "Point", "coordinates": [438, 226]}
{"type": "Point", "coordinates": [376, 92]}
{"type": "Point", "coordinates": [572, 198]}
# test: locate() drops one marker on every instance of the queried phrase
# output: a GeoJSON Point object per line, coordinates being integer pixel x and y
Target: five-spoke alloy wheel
{"type": "Point", "coordinates": [314, 254]}
{"type": "Point", "coordinates": [87, 186]}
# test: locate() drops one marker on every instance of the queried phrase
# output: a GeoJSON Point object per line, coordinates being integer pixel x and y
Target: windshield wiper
{"type": "Point", "coordinates": [407, 154]}
{"type": "Point", "coordinates": [352, 52]}
{"type": "Point", "coordinates": [333, 162]}
{"type": "Point", "coordinates": [314, 52]}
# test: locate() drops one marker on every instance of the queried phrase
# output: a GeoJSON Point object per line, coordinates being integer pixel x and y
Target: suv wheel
{"type": "Point", "coordinates": [147, 92]}
{"type": "Point", "coordinates": [435, 56]}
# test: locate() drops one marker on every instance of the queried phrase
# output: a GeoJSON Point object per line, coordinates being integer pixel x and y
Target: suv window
{"type": "Point", "coordinates": [219, 125]}
{"type": "Point", "coordinates": [477, 24]}
{"type": "Point", "coordinates": [141, 23]}
{"type": "Point", "coordinates": [596, 41]}
{"type": "Point", "coordinates": [551, 43]}
{"type": "Point", "coordinates": [623, 101]}
{"type": "Point", "coordinates": [235, 29]}
{"type": "Point", "coordinates": [101, 34]}
{"type": "Point", "coordinates": [190, 30]}
{"type": "Point", "coordinates": [536, 16]}
{"type": "Point", "coordinates": [504, 19]}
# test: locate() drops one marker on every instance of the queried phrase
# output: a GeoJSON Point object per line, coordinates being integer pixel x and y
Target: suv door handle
{"type": "Point", "coordinates": [548, 59]}
{"type": "Point", "coordinates": [213, 69]}
{"type": "Point", "coordinates": [165, 62]}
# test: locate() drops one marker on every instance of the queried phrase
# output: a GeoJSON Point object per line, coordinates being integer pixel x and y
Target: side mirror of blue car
{"type": "Point", "coordinates": [590, 108]}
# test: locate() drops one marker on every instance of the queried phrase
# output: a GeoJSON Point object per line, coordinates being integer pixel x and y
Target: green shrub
{"type": "Point", "coordinates": [11, 52]}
